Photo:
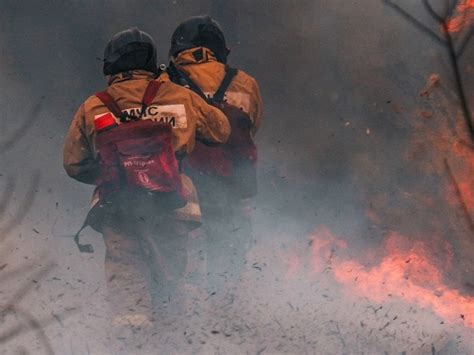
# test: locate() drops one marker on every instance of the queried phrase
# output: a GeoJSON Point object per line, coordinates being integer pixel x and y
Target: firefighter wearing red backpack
{"type": "Point", "coordinates": [225, 176]}
{"type": "Point", "coordinates": [129, 141]}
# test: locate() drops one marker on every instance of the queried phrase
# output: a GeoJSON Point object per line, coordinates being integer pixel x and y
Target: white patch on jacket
{"type": "Point", "coordinates": [175, 115]}
{"type": "Point", "coordinates": [235, 98]}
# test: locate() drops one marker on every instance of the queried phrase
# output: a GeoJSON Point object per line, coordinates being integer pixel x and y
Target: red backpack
{"type": "Point", "coordinates": [234, 161]}
{"type": "Point", "coordinates": [138, 154]}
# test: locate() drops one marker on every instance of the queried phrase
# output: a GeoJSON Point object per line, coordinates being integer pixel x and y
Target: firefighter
{"type": "Point", "coordinates": [143, 210]}
{"type": "Point", "coordinates": [225, 177]}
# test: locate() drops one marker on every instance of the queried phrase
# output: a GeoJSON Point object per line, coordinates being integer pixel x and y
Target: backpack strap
{"type": "Point", "coordinates": [150, 93]}
{"type": "Point", "coordinates": [83, 248]}
{"type": "Point", "coordinates": [175, 76]}
{"type": "Point", "coordinates": [111, 104]}
{"type": "Point", "coordinates": [181, 78]}
{"type": "Point", "coordinates": [230, 73]}
{"type": "Point", "coordinates": [192, 85]}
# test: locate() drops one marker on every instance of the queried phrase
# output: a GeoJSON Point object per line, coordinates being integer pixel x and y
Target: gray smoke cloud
{"type": "Point", "coordinates": [340, 82]}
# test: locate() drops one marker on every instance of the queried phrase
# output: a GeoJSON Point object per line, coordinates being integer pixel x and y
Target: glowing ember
{"type": "Point", "coordinates": [407, 271]}
{"type": "Point", "coordinates": [441, 139]}
{"type": "Point", "coordinates": [464, 16]}
{"type": "Point", "coordinates": [467, 193]}
{"type": "Point", "coordinates": [464, 174]}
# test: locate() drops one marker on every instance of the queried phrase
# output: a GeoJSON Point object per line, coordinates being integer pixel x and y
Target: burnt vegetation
{"type": "Point", "coordinates": [285, 51]}
{"type": "Point", "coordinates": [455, 45]}
{"type": "Point", "coordinates": [449, 23]}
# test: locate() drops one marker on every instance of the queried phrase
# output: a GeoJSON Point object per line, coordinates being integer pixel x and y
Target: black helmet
{"type": "Point", "coordinates": [200, 31]}
{"type": "Point", "coordinates": [128, 50]}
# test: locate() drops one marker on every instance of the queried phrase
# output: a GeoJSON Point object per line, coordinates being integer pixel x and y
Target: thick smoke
{"type": "Point", "coordinates": [340, 81]}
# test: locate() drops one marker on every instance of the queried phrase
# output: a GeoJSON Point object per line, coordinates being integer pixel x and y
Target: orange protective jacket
{"type": "Point", "coordinates": [202, 67]}
{"type": "Point", "coordinates": [190, 116]}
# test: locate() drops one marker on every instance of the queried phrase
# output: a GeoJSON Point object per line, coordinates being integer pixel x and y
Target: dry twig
{"type": "Point", "coordinates": [462, 203]}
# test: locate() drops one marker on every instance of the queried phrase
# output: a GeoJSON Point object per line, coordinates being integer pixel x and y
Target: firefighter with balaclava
{"type": "Point", "coordinates": [225, 176]}
{"type": "Point", "coordinates": [129, 141]}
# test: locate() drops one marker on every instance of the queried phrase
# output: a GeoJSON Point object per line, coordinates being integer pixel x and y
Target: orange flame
{"type": "Point", "coordinates": [444, 140]}
{"type": "Point", "coordinates": [293, 264]}
{"type": "Point", "coordinates": [407, 271]}
{"type": "Point", "coordinates": [464, 16]}
{"type": "Point", "coordinates": [323, 244]}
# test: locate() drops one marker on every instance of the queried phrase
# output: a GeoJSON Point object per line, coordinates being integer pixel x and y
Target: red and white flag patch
{"type": "Point", "coordinates": [104, 120]}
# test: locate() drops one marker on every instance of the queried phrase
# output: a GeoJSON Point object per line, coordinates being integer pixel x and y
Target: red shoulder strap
{"type": "Point", "coordinates": [109, 101]}
{"type": "Point", "coordinates": [150, 92]}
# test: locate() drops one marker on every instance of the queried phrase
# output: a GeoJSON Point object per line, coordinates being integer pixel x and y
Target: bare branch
{"type": "Point", "coordinates": [462, 203]}
{"type": "Point", "coordinates": [20, 329]}
{"type": "Point", "coordinates": [27, 286]}
{"type": "Point", "coordinates": [23, 209]}
{"type": "Point", "coordinates": [22, 130]}
{"type": "Point", "coordinates": [7, 194]}
{"type": "Point", "coordinates": [433, 13]}
{"type": "Point", "coordinates": [464, 43]}
{"type": "Point", "coordinates": [453, 55]}
{"type": "Point", "coordinates": [458, 81]}
{"type": "Point", "coordinates": [32, 323]}
{"type": "Point", "coordinates": [450, 7]}
{"type": "Point", "coordinates": [415, 22]}
{"type": "Point", "coordinates": [28, 321]}
{"type": "Point", "coordinates": [467, 144]}
{"type": "Point", "coordinates": [14, 273]}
